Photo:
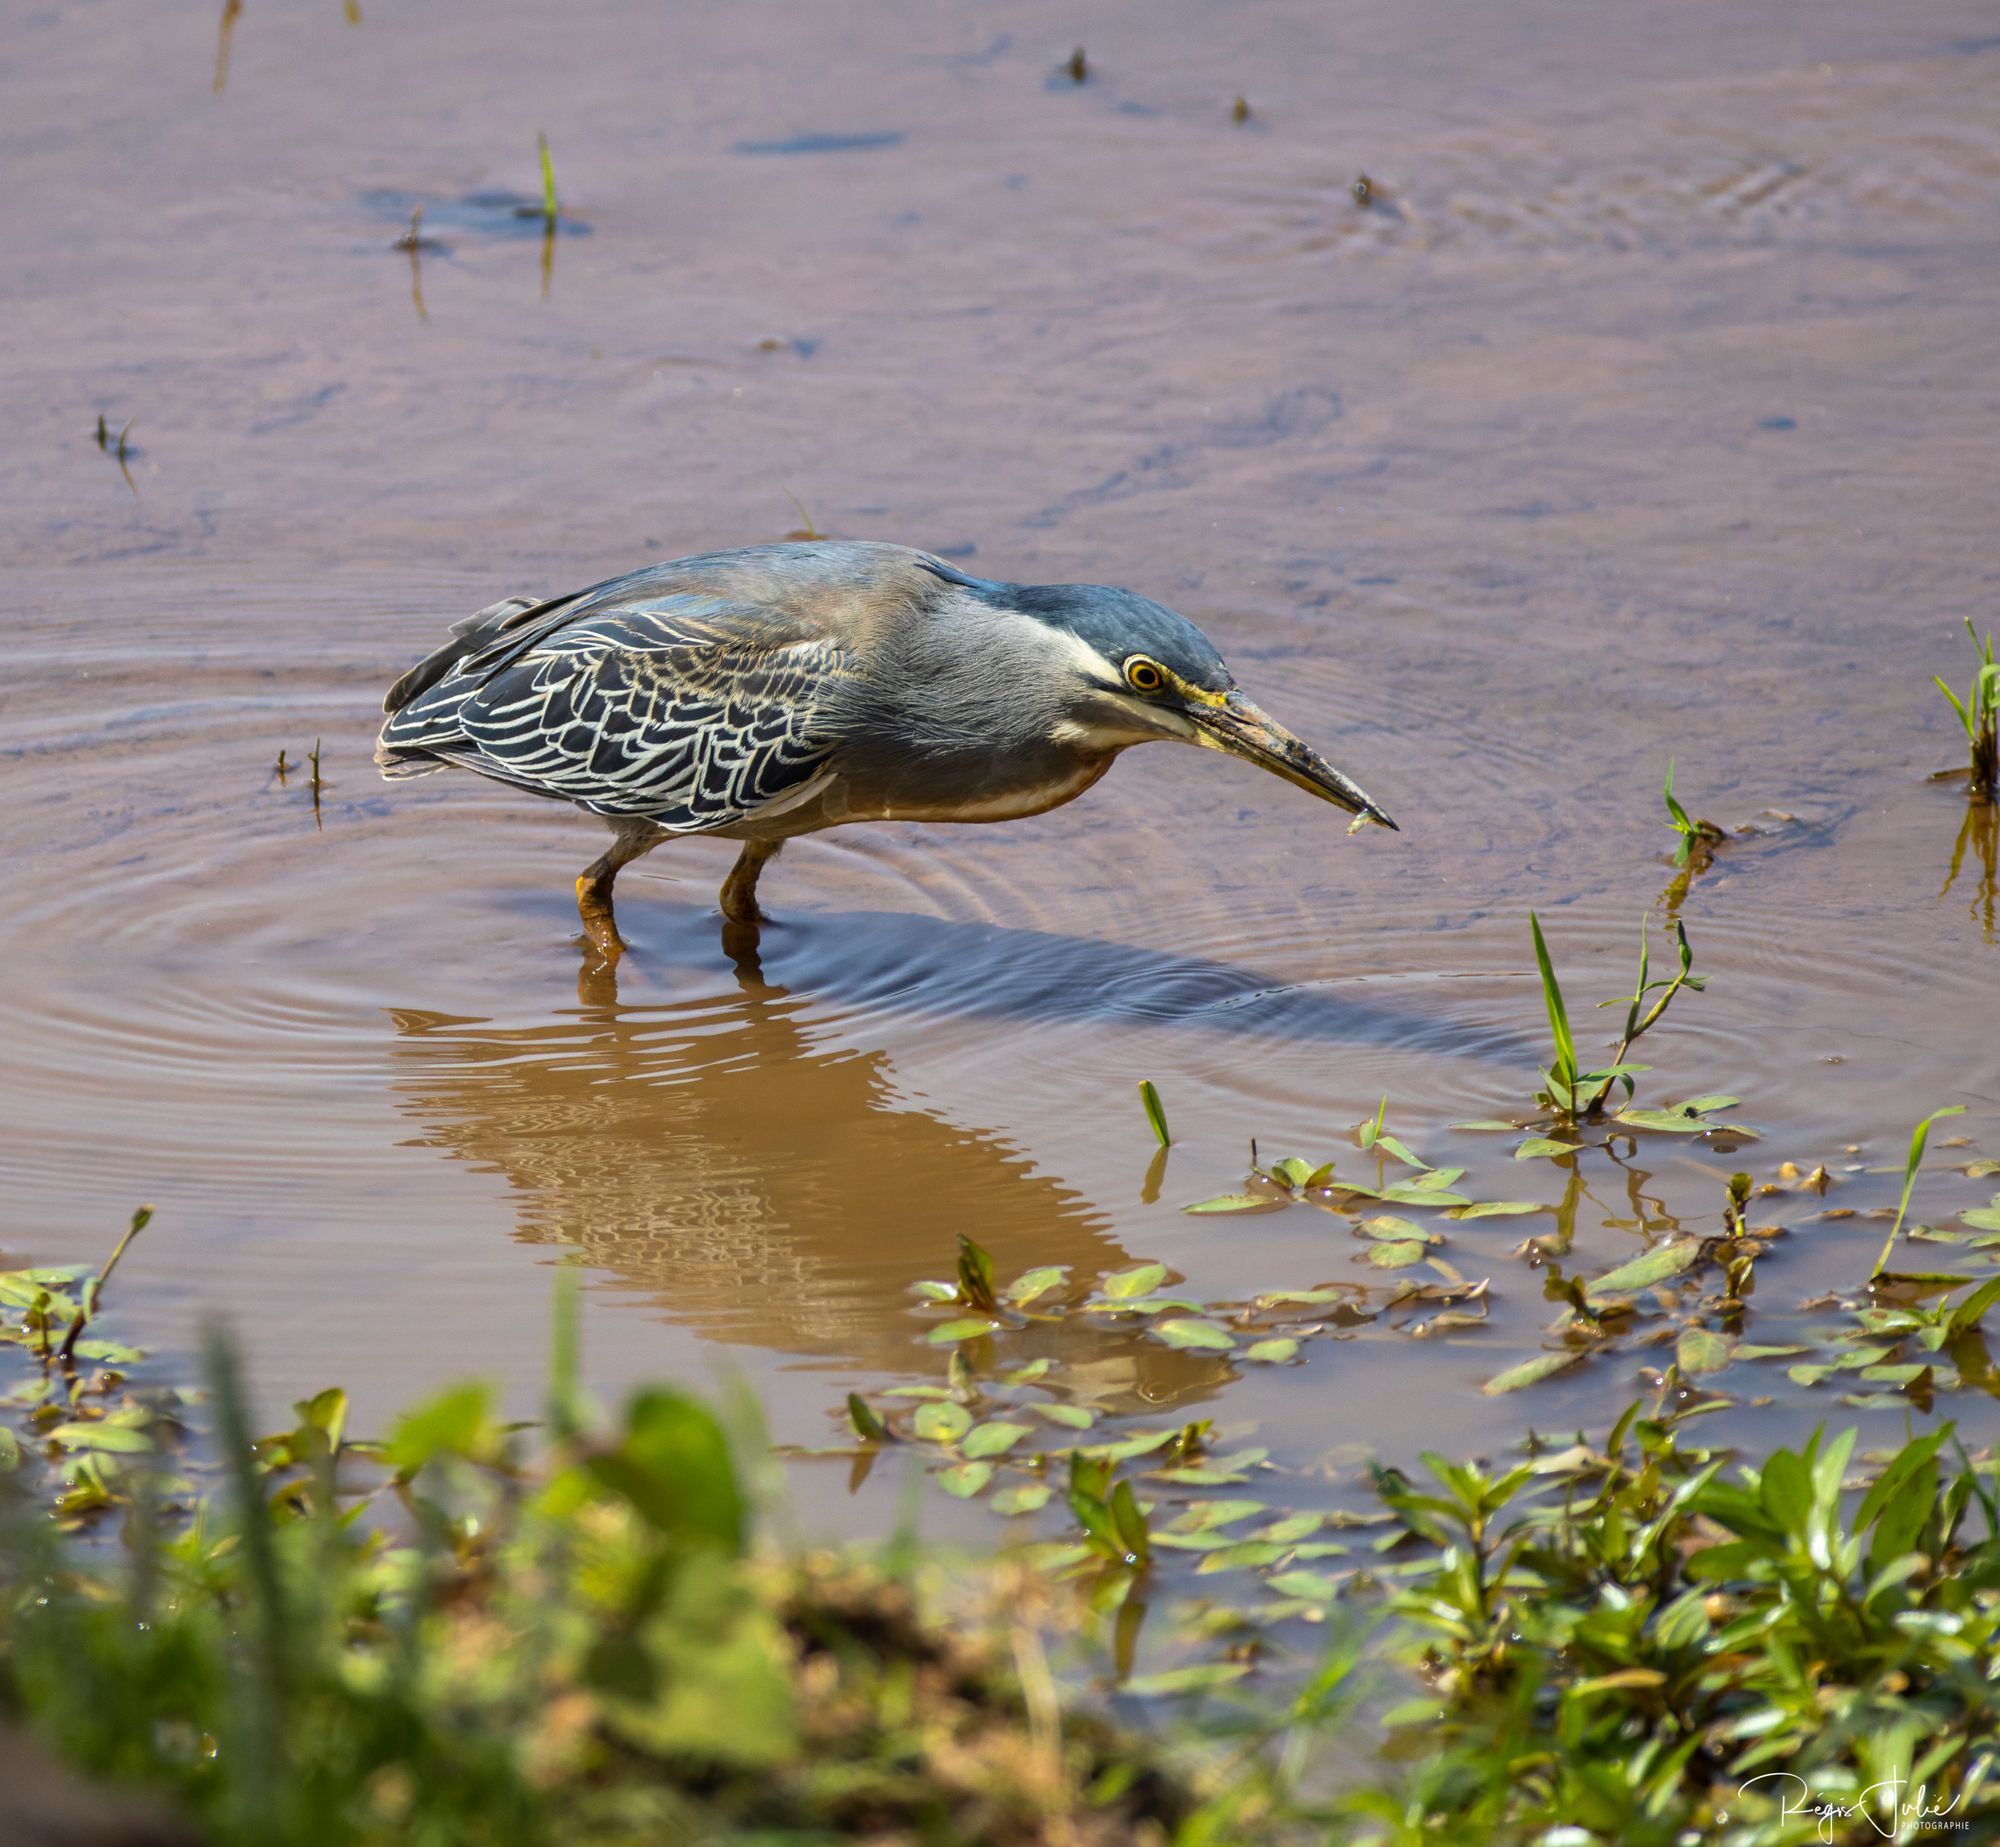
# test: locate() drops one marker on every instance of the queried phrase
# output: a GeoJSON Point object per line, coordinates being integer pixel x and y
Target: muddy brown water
{"type": "Point", "coordinates": [1647, 410]}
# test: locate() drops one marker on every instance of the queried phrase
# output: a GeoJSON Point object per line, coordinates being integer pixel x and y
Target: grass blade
{"type": "Point", "coordinates": [1558, 1014]}
{"type": "Point", "coordinates": [1918, 1137]}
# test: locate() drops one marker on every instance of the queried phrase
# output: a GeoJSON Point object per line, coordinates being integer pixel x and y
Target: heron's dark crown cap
{"type": "Point", "coordinates": [1115, 622]}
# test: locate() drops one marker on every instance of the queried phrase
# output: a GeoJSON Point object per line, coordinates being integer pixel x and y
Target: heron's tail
{"type": "Point", "coordinates": [421, 726]}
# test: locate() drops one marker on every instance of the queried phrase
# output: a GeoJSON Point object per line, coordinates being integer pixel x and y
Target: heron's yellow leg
{"type": "Point", "coordinates": [739, 890]}
{"type": "Point", "coordinates": [593, 905]}
{"type": "Point", "coordinates": [593, 889]}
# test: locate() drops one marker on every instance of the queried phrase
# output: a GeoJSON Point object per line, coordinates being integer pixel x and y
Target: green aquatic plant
{"type": "Point", "coordinates": [1979, 714]}
{"type": "Point", "coordinates": [472, 1631]}
{"type": "Point", "coordinates": [1156, 1114]}
{"type": "Point", "coordinates": [1698, 839]}
{"type": "Point", "coordinates": [1627, 1645]}
{"type": "Point", "coordinates": [1576, 1094]}
{"type": "Point", "coordinates": [1918, 1137]}
{"type": "Point", "coordinates": [551, 210]}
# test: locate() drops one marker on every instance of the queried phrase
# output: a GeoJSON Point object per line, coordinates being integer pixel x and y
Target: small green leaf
{"type": "Point", "coordinates": [1206, 1515]}
{"type": "Point", "coordinates": [1272, 1352]}
{"type": "Point", "coordinates": [1700, 1350]}
{"type": "Point", "coordinates": [1530, 1371]}
{"type": "Point", "coordinates": [942, 1422]}
{"type": "Point", "coordinates": [966, 1479]}
{"type": "Point", "coordinates": [1536, 1147]}
{"type": "Point", "coordinates": [1654, 1266]}
{"type": "Point", "coordinates": [1666, 1121]}
{"type": "Point", "coordinates": [1490, 1125]}
{"type": "Point", "coordinates": [867, 1426]}
{"type": "Point", "coordinates": [1499, 1209]}
{"type": "Point", "coordinates": [1029, 1498]}
{"type": "Point", "coordinates": [1141, 1279]}
{"type": "Point", "coordinates": [1311, 1584]}
{"type": "Point", "coordinates": [1386, 1228]}
{"type": "Point", "coordinates": [1176, 1680]}
{"type": "Point", "coordinates": [1244, 1555]}
{"type": "Point", "coordinates": [1238, 1202]}
{"type": "Point", "coordinates": [1149, 1101]}
{"type": "Point", "coordinates": [1416, 1193]}
{"type": "Point", "coordinates": [1181, 1332]}
{"type": "Point", "coordinates": [1292, 1171]}
{"type": "Point", "coordinates": [1070, 1416]}
{"type": "Point", "coordinates": [1026, 1287]}
{"type": "Point", "coordinates": [1397, 1256]}
{"type": "Point", "coordinates": [118, 1437]}
{"type": "Point", "coordinates": [991, 1439]}
{"type": "Point", "coordinates": [964, 1329]}
{"type": "Point", "coordinates": [1391, 1146]}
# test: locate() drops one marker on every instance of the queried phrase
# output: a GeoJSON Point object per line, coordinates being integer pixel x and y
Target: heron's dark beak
{"type": "Point", "coordinates": [1243, 730]}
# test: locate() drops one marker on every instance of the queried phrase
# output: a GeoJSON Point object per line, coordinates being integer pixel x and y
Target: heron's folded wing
{"type": "Point", "coordinates": [685, 710]}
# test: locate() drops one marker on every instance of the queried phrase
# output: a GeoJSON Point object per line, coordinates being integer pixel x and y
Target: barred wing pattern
{"type": "Point", "coordinates": [687, 710]}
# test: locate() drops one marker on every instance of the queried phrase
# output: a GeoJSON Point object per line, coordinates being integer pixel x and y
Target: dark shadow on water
{"type": "Point", "coordinates": [913, 967]}
{"type": "Point", "coordinates": [762, 1187]}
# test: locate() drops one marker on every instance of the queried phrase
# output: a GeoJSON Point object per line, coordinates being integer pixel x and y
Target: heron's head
{"type": "Point", "coordinates": [1142, 672]}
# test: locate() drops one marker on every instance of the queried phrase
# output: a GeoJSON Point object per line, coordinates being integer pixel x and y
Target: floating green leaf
{"type": "Point", "coordinates": [1204, 1515]}
{"type": "Point", "coordinates": [1499, 1208]}
{"type": "Point", "coordinates": [1539, 1147]}
{"type": "Point", "coordinates": [1141, 1279]}
{"type": "Point", "coordinates": [942, 1422]}
{"type": "Point", "coordinates": [1237, 1202]}
{"type": "Point", "coordinates": [991, 1439]}
{"type": "Point", "coordinates": [1031, 1284]}
{"type": "Point", "coordinates": [1529, 1371]}
{"type": "Point", "coordinates": [1070, 1416]}
{"type": "Point", "coordinates": [1030, 1497]}
{"type": "Point", "coordinates": [1389, 1229]}
{"type": "Point", "coordinates": [1187, 1332]}
{"type": "Point", "coordinates": [966, 1480]}
{"type": "Point", "coordinates": [1649, 1267]}
{"type": "Point", "coordinates": [1176, 1680]}
{"type": "Point", "coordinates": [1272, 1352]}
{"type": "Point", "coordinates": [1398, 1255]}
{"type": "Point", "coordinates": [1701, 1350]}
{"type": "Point", "coordinates": [119, 1437]}
{"type": "Point", "coordinates": [963, 1329]}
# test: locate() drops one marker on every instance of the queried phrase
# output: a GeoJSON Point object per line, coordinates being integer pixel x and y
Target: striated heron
{"type": "Point", "coordinates": [774, 691]}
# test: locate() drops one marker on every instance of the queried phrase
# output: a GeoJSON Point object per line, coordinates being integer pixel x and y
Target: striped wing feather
{"type": "Point", "coordinates": [685, 710]}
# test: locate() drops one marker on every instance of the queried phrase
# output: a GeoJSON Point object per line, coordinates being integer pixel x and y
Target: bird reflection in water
{"type": "Point", "coordinates": [758, 1180]}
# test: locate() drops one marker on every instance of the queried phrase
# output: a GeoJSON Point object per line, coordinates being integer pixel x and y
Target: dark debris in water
{"type": "Point", "coordinates": [488, 214]}
{"type": "Point", "coordinates": [826, 142]}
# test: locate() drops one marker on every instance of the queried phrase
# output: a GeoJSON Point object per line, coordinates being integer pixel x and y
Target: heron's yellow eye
{"type": "Point", "coordinates": [1144, 676]}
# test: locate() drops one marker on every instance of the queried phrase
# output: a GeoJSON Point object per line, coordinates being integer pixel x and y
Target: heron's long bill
{"type": "Point", "coordinates": [1243, 730]}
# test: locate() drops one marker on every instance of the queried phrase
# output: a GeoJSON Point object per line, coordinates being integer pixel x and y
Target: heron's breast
{"type": "Point", "coordinates": [952, 793]}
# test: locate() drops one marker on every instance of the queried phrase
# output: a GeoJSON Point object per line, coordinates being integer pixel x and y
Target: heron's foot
{"type": "Point", "coordinates": [593, 905]}
{"type": "Point", "coordinates": [739, 903]}
{"type": "Point", "coordinates": [739, 890]}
